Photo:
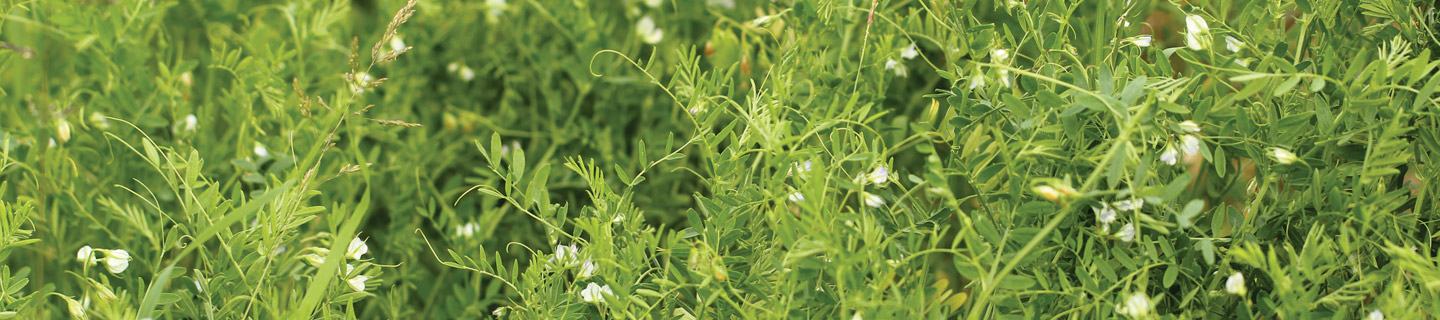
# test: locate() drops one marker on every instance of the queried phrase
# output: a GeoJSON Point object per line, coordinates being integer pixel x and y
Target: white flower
{"type": "Point", "coordinates": [99, 120]}
{"type": "Point", "coordinates": [1126, 233]}
{"type": "Point", "coordinates": [1189, 144]}
{"type": "Point", "coordinates": [466, 230]}
{"type": "Point", "coordinates": [1000, 55]}
{"type": "Point", "coordinates": [727, 4]}
{"type": "Point", "coordinates": [62, 130]}
{"type": "Point", "coordinates": [76, 308]}
{"type": "Point", "coordinates": [260, 150]}
{"type": "Point", "coordinates": [565, 255]}
{"type": "Point", "coordinates": [360, 82]}
{"type": "Point", "coordinates": [1128, 205]}
{"type": "Point", "coordinates": [1197, 32]}
{"type": "Point", "coordinates": [874, 201]}
{"type": "Point", "coordinates": [796, 197]}
{"type": "Point", "coordinates": [1137, 305]}
{"type": "Point", "coordinates": [1233, 44]}
{"type": "Point", "coordinates": [879, 175]}
{"type": "Point", "coordinates": [654, 3]}
{"type": "Point", "coordinates": [595, 293]}
{"type": "Point", "coordinates": [803, 167]}
{"type": "Point", "coordinates": [1375, 315]}
{"type": "Point", "coordinates": [453, 67]}
{"type": "Point", "coordinates": [897, 67]}
{"type": "Point", "coordinates": [1235, 284]}
{"type": "Point", "coordinates": [587, 269]}
{"type": "Point", "coordinates": [357, 248]}
{"type": "Point", "coordinates": [1168, 156]}
{"type": "Point", "coordinates": [647, 31]}
{"type": "Point", "coordinates": [1004, 78]}
{"type": "Point", "coordinates": [86, 255]}
{"type": "Point", "coordinates": [1189, 126]}
{"type": "Point", "coordinates": [191, 122]}
{"type": "Point", "coordinates": [1142, 41]}
{"type": "Point", "coordinates": [116, 261]}
{"type": "Point", "coordinates": [1283, 156]}
{"type": "Point", "coordinates": [1104, 214]}
{"type": "Point", "coordinates": [398, 45]}
{"type": "Point", "coordinates": [494, 8]}
{"type": "Point", "coordinates": [910, 52]}
{"type": "Point", "coordinates": [977, 81]}
{"type": "Point", "coordinates": [466, 73]}
{"type": "Point", "coordinates": [357, 282]}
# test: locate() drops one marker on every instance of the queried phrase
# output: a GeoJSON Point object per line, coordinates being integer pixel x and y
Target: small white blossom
{"type": "Point", "coordinates": [874, 201]}
{"type": "Point", "coordinates": [187, 79]}
{"type": "Point", "coordinates": [116, 261]}
{"type": "Point", "coordinates": [86, 255]}
{"type": "Point", "coordinates": [1189, 144]}
{"type": "Point", "coordinates": [191, 122]}
{"type": "Point", "coordinates": [654, 3]}
{"type": "Point", "coordinates": [647, 31]}
{"type": "Point", "coordinates": [1104, 214]}
{"type": "Point", "coordinates": [1169, 156]}
{"type": "Point", "coordinates": [977, 81]}
{"type": "Point", "coordinates": [357, 282]}
{"type": "Point", "coordinates": [796, 197]}
{"type": "Point", "coordinates": [1197, 32]}
{"type": "Point", "coordinates": [566, 255]}
{"type": "Point", "coordinates": [595, 293]}
{"type": "Point", "coordinates": [360, 82]}
{"type": "Point", "coordinates": [1233, 44]}
{"type": "Point", "coordinates": [260, 150]}
{"type": "Point", "coordinates": [1189, 126]}
{"type": "Point", "coordinates": [1137, 305]}
{"type": "Point", "coordinates": [910, 52]}
{"type": "Point", "coordinates": [1126, 233]}
{"type": "Point", "coordinates": [1283, 156]}
{"type": "Point", "coordinates": [76, 308]}
{"type": "Point", "coordinates": [397, 45]}
{"type": "Point", "coordinates": [1142, 41]}
{"type": "Point", "coordinates": [1235, 284]}
{"type": "Point", "coordinates": [897, 67]}
{"type": "Point", "coordinates": [1128, 205]}
{"type": "Point", "coordinates": [99, 120]}
{"type": "Point", "coordinates": [803, 167]}
{"type": "Point", "coordinates": [727, 4]}
{"type": "Point", "coordinates": [1375, 315]}
{"type": "Point", "coordinates": [62, 130]}
{"type": "Point", "coordinates": [1000, 55]}
{"type": "Point", "coordinates": [466, 73]}
{"type": "Point", "coordinates": [467, 230]}
{"type": "Point", "coordinates": [357, 248]}
{"type": "Point", "coordinates": [494, 8]}
{"type": "Point", "coordinates": [587, 269]}
{"type": "Point", "coordinates": [879, 175]}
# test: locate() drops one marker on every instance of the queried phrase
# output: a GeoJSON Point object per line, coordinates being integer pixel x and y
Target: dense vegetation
{"type": "Point", "coordinates": [543, 159]}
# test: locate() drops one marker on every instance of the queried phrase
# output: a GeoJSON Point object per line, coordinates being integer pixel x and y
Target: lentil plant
{"type": "Point", "coordinates": [719, 159]}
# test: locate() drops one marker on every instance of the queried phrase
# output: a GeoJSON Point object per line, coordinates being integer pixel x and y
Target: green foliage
{"type": "Point", "coordinates": [543, 159]}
